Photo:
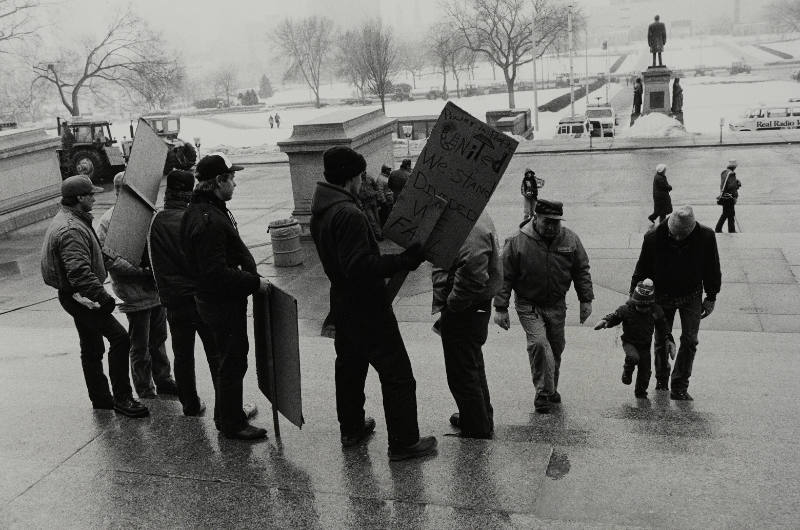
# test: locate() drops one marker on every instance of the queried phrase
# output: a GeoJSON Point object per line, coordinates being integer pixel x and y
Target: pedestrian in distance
{"type": "Point", "coordinates": [72, 263]}
{"type": "Point", "coordinates": [271, 122]}
{"type": "Point", "coordinates": [662, 202]}
{"type": "Point", "coordinates": [277, 120]}
{"type": "Point", "coordinates": [225, 274]}
{"type": "Point", "coordinates": [369, 193]}
{"type": "Point", "coordinates": [399, 177]}
{"type": "Point", "coordinates": [728, 196]}
{"type": "Point", "coordinates": [463, 296]}
{"type": "Point", "coordinates": [366, 328]}
{"type": "Point", "coordinates": [639, 317]}
{"type": "Point", "coordinates": [638, 91]}
{"type": "Point", "coordinates": [682, 259]}
{"type": "Point", "coordinates": [540, 263]}
{"type": "Point", "coordinates": [147, 321]}
{"type": "Point", "coordinates": [530, 193]}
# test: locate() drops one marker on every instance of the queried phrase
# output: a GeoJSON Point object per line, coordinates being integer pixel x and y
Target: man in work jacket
{"type": "Point", "coordinates": [539, 264]}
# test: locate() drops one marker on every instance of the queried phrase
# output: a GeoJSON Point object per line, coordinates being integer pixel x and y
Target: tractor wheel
{"type": "Point", "coordinates": [90, 164]}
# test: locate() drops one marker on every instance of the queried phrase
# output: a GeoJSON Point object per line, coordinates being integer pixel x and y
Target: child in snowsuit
{"type": "Point", "coordinates": [639, 317]}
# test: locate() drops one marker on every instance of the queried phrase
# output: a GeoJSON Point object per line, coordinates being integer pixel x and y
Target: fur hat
{"type": "Point", "coordinates": [342, 164]}
{"type": "Point", "coordinates": [661, 168]}
{"type": "Point", "coordinates": [681, 221]}
{"type": "Point", "coordinates": [732, 163]}
{"type": "Point", "coordinates": [644, 294]}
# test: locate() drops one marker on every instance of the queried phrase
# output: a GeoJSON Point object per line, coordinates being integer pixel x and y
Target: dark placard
{"type": "Point", "coordinates": [277, 346]}
{"type": "Point", "coordinates": [462, 163]}
{"type": "Point", "coordinates": [130, 221]}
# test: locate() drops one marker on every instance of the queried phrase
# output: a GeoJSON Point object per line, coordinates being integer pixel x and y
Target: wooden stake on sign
{"type": "Point", "coordinates": [426, 226]}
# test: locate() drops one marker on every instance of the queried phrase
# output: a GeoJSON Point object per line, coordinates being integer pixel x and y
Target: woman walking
{"type": "Point", "coordinates": [728, 194]}
{"type": "Point", "coordinates": [662, 202]}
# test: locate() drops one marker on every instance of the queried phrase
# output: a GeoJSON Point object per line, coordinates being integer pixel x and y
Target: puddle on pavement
{"type": "Point", "coordinates": [558, 466]}
{"type": "Point", "coordinates": [661, 419]}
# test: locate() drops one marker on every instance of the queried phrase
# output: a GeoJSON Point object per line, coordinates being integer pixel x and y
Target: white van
{"type": "Point", "coordinates": [571, 126]}
{"type": "Point", "coordinates": [769, 117]}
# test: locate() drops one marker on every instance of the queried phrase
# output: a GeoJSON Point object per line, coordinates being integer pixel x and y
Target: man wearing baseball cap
{"type": "Point", "coordinates": [72, 262]}
{"type": "Point", "coordinates": [225, 274]}
{"type": "Point", "coordinates": [539, 264]}
{"type": "Point", "coordinates": [366, 328]}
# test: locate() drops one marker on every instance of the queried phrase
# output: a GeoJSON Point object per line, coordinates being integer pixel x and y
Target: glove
{"type": "Point", "coordinates": [107, 305]}
{"type": "Point", "coordinates": [501, 319]}
{"type": "Point", "coordinates": [708, 308]}
{"type": "Point", "coordinates": [600, 325]}
{"type": "Point", "coordinates": [412, 257]}
{"type": "Point", "coordinates": [585, 311]}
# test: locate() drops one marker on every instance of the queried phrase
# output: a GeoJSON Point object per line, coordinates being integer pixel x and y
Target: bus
{"type": "Point", "coordinates": [769, 117]}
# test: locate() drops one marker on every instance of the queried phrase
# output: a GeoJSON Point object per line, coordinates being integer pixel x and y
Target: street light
{"type": "Point", "coordinates": [407, 129]}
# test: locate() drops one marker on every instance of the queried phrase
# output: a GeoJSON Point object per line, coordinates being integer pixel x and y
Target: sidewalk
{"type": "Point", "coordinates": [602, 459]}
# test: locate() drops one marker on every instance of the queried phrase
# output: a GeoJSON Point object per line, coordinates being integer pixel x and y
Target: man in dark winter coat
{"type": "Point", "coordinates": [657, 38]}
{"type": "Point", "coordinates": [176, 288]}
{"type": "Point", "coordinates": [662, 202]}
{"type": "Point", "coordinates": [399, 177]}
{"type": "Point", "coordinates": [225, 274]}
{"type": "Point", "coordinates": [540, 263]}
{"type": "Point", "coordinates": [72, 262]}
{"type": "Point", "coordinates": [682, 259]}
{"type": "Point", "coordinates": [366, 328]}
{"type": "Point", "coordinates": [463, 294]}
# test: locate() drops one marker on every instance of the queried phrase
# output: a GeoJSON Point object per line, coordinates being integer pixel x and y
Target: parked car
{"type": "Point", "coordinates": [572, 127]}
{"type": "Point", "coordinates": [603, 120]}
{"type": "Point", "coordinates": [740, 67]}
{"type": "Point", "coordinates": [402, 92]}
{"type": "Point", "coordinates": [474, 90]}
{"type": "Point", "coordinates": [435, 93]}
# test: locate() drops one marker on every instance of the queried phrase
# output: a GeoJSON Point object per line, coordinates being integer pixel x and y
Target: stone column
{"type": "Point", "coordinates": [367, 131]}
{"type": "Point", "coordinates": [30, 177]}
{"type": "Point", "coordinates": [656, 97]}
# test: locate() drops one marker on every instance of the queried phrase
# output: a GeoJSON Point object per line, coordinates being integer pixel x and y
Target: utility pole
{"type": "Point", "coordinates": [535, 88]}
{"type": "Point", "coordinates": [608, 71]}
{"type": "Point", "coordinates": [571, 68]}
{"type": "Point", "coordinates": [586, 81]}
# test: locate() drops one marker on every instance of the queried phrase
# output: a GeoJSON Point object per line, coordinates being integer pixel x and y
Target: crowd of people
{"type": "Point", "coordinates": [197, 274]}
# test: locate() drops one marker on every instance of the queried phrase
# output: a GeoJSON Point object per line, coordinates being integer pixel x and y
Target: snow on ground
{"type": "Point", "coordinates": [655, 125]}
{"type": "Point", "coordinates": [791, 47]}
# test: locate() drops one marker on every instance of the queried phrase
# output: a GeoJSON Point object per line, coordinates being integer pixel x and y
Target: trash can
{"type": "Point", "coordinates": [286, 249]}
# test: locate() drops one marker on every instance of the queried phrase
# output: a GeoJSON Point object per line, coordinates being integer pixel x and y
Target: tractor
{"type": "Point", "coordinates": [165, 125]}
{"type": "Point", "coordinates": [90, 150]}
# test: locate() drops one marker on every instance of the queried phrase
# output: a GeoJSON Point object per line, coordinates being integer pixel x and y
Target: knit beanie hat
{"type": "Point", "coordinates": [681, 221]}
{"type": "Point", "coordinates": [644, 294]}
{"type": "Point", "coordinates": [661, 168]}
{"type": "Point", "coordinates": [180, 180]}
{"type": "Point", "coordinates": [341, 164]}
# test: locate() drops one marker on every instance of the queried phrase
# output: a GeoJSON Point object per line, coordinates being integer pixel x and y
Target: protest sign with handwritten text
{"type": "Point", "coordinates": [462, 162]}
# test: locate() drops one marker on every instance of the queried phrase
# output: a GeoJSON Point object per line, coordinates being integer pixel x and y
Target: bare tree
{"type": "Point", "coordinates": [306, 43]}
{"type": "Point", "coordinates": [440, 38]}
{"type": "Point", "coordinates": [158, 84]}
{"type": "Point", "coordinates": [225, 80]}
{"type": "Point", "coordinates": [348, 61]}
{"type": "Point", "coordinates": [501, 30]}
{"type": "Point", "coordinates": [378, 55]}
{"type": "Point", "coordinates": [126, 45]}
{"type": "Point", "coordinates": [15, 20]}
{"type": "Point", "coordinates": [784, 14]}
{"type": "Point", "coordinates": [411, 60]}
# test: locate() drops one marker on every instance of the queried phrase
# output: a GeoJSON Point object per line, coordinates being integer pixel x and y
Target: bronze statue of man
{"type": "Point", "coordinates": [657, 38]}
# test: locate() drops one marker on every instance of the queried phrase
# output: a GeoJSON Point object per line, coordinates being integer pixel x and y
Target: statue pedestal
{"type": "Point", "coordinates": [656, 97]}
{"type": "Point", "coordinates": [367, 131]}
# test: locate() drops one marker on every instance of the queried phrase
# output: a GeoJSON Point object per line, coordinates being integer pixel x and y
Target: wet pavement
{"type": "Point", "coordinates": [603, 458]}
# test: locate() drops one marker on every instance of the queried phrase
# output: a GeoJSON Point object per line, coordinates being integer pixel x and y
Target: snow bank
{"type": "Point", "coordinates": [655, 125]}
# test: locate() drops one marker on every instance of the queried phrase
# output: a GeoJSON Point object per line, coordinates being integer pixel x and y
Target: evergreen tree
{"type": "Point", "coordinates": [265, 87]}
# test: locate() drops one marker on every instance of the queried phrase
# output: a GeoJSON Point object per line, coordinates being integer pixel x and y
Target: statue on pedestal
{"type": "Point", "coordinates": [657, 38]}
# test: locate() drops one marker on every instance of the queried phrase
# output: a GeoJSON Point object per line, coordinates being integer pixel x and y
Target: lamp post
{"type": "Point", "coordinates": [571, 68]}
{"type": "Point", "coordinates": [407, 129]}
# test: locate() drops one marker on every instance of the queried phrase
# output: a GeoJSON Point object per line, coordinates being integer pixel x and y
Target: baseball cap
{"type": "Point", "coordinates": [78, 185]}
{"type": "Point", "coordinates": [215, 164]}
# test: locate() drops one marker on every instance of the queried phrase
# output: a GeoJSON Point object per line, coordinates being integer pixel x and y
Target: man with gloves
{"type": "Point", "coordinates": [539, 264]}
{"type": "Point", "coordinates": [366, 328]}
{"type": "Point", "coordinates": [682, 259]}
